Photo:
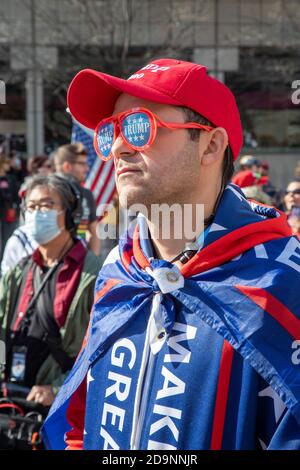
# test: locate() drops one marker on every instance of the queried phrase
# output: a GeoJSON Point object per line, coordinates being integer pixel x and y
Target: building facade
{"type": "Point", "coordinates": [253, 46]}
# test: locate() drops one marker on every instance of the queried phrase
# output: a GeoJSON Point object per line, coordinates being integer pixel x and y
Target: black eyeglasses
{"type": "Point", "coordinates": [40, 206]}
{"type": "Point", "coordinates": [295, 191]}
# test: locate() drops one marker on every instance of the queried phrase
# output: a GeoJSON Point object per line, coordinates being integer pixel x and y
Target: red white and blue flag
{"type": "Point", "coordinates": [202, 358]}
{"type": "Point", "coordinates": [101, 176]}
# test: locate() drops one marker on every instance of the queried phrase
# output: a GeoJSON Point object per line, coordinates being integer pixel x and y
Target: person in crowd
{"type": "Point", "coordinates": [294, 220]}
{"type": "Point", "coordinates": [9, 202]}
{"type": "Point", "coordinates": [71, 161]}
{"type": "Point", "coordinates": [249, 165]}
{"type": "Point", "coordinates": [252, 187]}
{"type": "Point", "coordinates": [45, 301]}
{"type": "Point", "coordinates": [297, 170]}
{"type": "Point", "coordinates": [292, 195]}
{"type": "Point", "coordinates": [268, 187]}
{"type": "Point", "coordinates": [190, 344]}
{"type": "Point", "coordinates": [261, 187]}
{"type": "Point", "coordinates": [17, 168]}
{"type": "Point", "coordinates": [264, 168]}
{"type": "Point", "coordinates": [40, 165]}
{"type": "Point", "coordinates": [37, 165]}
{"type": "Point", "coordinates": [20, 244]}
{"type": "Point", "coordinates": [249, 162]}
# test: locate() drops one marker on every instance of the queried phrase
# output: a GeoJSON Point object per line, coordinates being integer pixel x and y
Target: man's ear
{"type": "Point", "coordinates": [66, 167]}
{"type": "Point", "coordinates": [216, 142]}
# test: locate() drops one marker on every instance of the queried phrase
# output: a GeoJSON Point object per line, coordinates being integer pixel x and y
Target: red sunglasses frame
{"type": "Point", "coordinates": [155, 121]}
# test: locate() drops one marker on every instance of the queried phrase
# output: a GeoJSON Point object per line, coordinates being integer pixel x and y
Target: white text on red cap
{"type": "Point", "coordinates": [152, 68]}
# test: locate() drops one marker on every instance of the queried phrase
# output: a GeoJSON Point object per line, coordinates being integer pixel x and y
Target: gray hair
{"type": "Point", "coordinates": [59, 184]}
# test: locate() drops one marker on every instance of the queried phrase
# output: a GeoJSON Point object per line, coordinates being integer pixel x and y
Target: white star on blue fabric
{"type": "Point", "coordinates": [279, 406]}
{"type": "Point", "coordinates": [236, 193]}
{"type": "Point", "coordinates": [216, 228]}
{"type": "Point", "coordinates": [89, 379]}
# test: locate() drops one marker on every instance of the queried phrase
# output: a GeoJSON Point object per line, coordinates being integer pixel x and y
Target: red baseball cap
{"type": "Point", "coordinates": [92, 95]}
{"type": "Point", "coordinates": [247, 178]}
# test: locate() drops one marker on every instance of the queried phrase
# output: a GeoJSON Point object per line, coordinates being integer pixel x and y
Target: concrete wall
{"type": "Point", "coordinates": [215, 30]}
{"type": "Point", "coordinates": [191, 23]}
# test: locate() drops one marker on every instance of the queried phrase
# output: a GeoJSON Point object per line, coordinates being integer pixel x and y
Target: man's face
{"type": "Point", "coordinates": [254, 168]}
{"type": "Point", "coordinates": [79, 168]}
{"type": "Point", "coordinates": [167, 172]}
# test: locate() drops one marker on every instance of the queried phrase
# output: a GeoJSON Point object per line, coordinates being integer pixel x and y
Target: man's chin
{"type": "Point", "coordinates": [134, 197]}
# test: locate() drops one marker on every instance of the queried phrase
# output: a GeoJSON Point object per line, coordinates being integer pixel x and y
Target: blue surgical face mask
{"type": "Point", "coordinates": [42, 226]}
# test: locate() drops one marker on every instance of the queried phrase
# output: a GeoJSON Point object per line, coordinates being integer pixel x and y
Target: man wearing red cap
{"type": "Point", "coordinates": [192, 342]}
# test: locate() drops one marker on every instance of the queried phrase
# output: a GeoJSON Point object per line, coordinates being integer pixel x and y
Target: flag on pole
{"type": "Point", "coordinates": [101, 177]}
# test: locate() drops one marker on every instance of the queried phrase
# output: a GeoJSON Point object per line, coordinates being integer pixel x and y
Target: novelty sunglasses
{"type": "Point", "coordinates": [137, 127]}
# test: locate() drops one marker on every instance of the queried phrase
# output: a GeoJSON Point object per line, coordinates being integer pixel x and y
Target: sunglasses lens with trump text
{"type": "Point", "coordinates": [136, 129]}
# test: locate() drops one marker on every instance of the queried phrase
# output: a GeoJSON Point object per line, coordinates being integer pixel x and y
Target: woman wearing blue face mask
{"type": "Point", "coordinates": [43, 321]}
{"type": "Point", "coordinates": [21, 244]}
{"type": "Point", "coordinates": [42, 224]}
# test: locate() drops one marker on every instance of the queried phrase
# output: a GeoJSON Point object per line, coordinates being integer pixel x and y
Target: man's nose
{"type": "Point", "coordinates": [120, 148]}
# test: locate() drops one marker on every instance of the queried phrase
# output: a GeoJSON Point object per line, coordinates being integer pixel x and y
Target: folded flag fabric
{"type": "Point", "coordinates": [199, 358]}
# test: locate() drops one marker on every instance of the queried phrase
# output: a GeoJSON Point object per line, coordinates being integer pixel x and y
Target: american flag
{"type": "Point", "coordinates": [101, 176]}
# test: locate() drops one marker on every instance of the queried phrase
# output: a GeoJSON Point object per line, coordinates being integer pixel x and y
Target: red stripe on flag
{"type": "Point", "coordinates": [126, 258]}
{"type": "Point", "coordinates": [250, 235]}
{"type": "Point", "coordinates": [97, 176]}
{"type": "Point", "coordinates": [106, 288]}
{"type": "Point", "coordinates": [107, 180]}
{"type": "Point", "coordinates": [222, 396]}
{"type": "Point", "coordinates": [100, 215]}
{"type": "Point", "coordinates": [110, 197]}
{"type": "Point", "coordinates": [137, 251]}
{"type": "Point", "coordinates": [273, 307]}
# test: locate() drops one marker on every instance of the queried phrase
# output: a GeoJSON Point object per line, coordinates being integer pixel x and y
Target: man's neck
{"type": "Point", "coordinates": [56, 249]}
{"type": "Point", "coordinates": [71, 177]}
{"type": "Point", "coordinates": [184, 230]}
{"type": "Point", "coordinates": [168, 247]}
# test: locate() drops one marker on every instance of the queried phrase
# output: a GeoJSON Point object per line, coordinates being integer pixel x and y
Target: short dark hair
{"type": "Point", "coordinates": [36, 162]}
{"type": "Point", "coordinates": [228, 167]}
{"type": "Point", "coordinates": [68, 153]}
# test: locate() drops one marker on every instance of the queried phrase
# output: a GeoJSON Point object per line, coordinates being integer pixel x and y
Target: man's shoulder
{"type": "Point", "coordinates": [75, 182]}
{"type": "Point", "coordinates": [285, 250]}
{"type": "Point", "coordinates": [89, 202]}
{"type": "Point", "coordinates": [274, 263]}
{"type": "Point", "coordinates": [87, 193]}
